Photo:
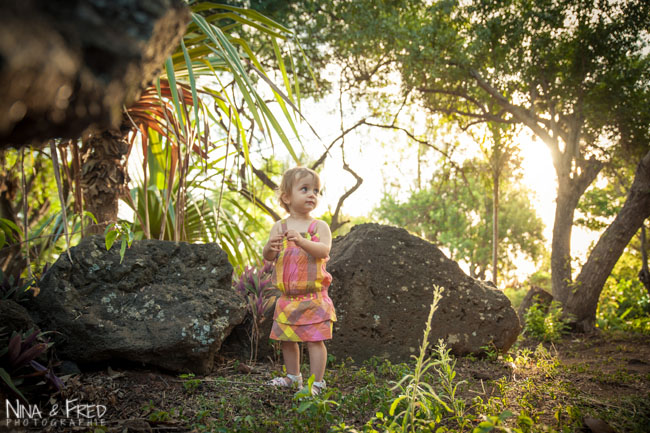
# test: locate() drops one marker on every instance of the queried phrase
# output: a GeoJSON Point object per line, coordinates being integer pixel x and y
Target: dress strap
{"type": "Point", "coordinates": [311, 228]}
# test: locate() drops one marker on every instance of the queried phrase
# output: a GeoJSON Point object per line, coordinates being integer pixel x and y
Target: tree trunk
{"type": "Point", "coordinates": [565, 205]}
{"type": "Point", "coordinates": [103, 177]}
{"type": "Point", "coordinates": [572, 183]}
{"type": "Point", "coordinates": [582, 302]}
{"type": "Point", "coordinates": [644, 273]}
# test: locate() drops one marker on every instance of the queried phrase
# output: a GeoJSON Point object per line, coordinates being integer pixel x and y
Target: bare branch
{"type": "Point", "coordinates": [320, 160]}
{"type": "Point", "coordinates": [463, 95]}
{"type": "Point", "coordinates": [336, 223]}
{"type": "Point", "coordinates": [410, 135]}
{"type": "Point", "coordinates": [522, 114]}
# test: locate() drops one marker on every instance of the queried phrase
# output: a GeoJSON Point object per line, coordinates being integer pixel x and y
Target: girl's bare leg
{"type": "Point", "coordinates": [317, 359]}
{"type": "Point", "coordinates": [291, 355]}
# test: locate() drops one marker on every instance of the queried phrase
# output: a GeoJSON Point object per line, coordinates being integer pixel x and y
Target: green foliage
{"type": "Point", "coordinates": [585, 65]}
{"type": "Point", "coordinates": [190, 383]}
{"type": "Point", "coordinates": [121, 230]}
{"type": "Point", "coordinates": [624, 303]}
{"type": "Point", "coordinates": [17, 290]}
{"type": "Point", "coordinates": [538, 395]}
{"type": "Point", "coordinates": [491, 352]}
{"type": "Point", "coordinates": [45, 224]}
{"type": "Point", "coordinates": [546, 324]}
{"type": "Point", "coordinates": [516, 295]}
{"type": "Point", "coordinates": [602, 201]}
{"type": "Point", "coordinates": [172, 121]}
{"type": "Point", "coordinates": [418, 406]}
{"type": "Point", "coordinates": [315, 411]}
{"type": "Point", "coordinates": [9, 232]}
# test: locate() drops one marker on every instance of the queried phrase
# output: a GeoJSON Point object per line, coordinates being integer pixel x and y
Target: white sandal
{"type": "Point", "coordinates": [288, 381]}
{"type": "Point", "coordinates": [316, 388]}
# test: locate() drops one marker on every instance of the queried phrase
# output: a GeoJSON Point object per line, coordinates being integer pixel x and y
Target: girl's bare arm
{"type": "Point", "coordinates": [273, 245]}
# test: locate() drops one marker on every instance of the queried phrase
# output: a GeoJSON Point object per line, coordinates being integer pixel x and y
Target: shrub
{"type": "Point", "coordinates": [546, 325]}
{"type": "Point", "coordinates": [624, 305]}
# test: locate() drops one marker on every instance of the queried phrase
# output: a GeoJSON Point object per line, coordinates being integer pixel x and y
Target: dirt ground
{"type": "Point", "coordinates": [603, 372]}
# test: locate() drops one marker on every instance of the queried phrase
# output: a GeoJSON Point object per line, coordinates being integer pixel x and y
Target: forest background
{"type": "Point", "coordinates": [437, 106]}
{"type": "Point", "coordinates": [459, 90]}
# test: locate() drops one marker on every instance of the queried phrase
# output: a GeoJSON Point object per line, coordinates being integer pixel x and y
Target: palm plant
{"type": "Point", "coordinates": [172, 121]}
{"type": "Point", "coordinates": [173, 127]}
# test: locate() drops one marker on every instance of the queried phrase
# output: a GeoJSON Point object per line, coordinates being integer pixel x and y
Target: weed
{"type": "Point", "coordinates": [491, 351]}
{"type": "Point", "coordinates": [315, 410]}
{"type": "Point", "coordinates": [523, 357]}
{"type": "Point", "coordinates": [17, 290]}
{"type": "Point", "coordinates": [618, 376]}
{"type": "Point", "coordinates": [546, 325]}
{"type": "Point", "coordinates": [423, 406]}
{"type": "Point", "coordinates": [190, 383]}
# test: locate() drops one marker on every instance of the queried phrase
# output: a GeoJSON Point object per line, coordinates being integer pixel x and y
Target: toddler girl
{"type": "Point", "coordinates": [300, 246]}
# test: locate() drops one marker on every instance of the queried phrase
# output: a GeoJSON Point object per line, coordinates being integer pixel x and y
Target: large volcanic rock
{"type": "Point", "coordinates": [14, 317]}
{"type": "Point", "coordinates": [382, 289]}
{"type": "Point", "coordinates": [167, 304]}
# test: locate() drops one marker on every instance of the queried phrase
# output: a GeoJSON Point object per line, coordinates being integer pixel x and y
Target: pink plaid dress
{"type": "Point", "coordinates": [304, 311]}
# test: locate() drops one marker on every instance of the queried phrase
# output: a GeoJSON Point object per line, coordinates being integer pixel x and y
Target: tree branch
{"type": "Point", "coordinates": [320, 160]}
{"type": "Point", "coordinates": [248, 195]}
{"type": "Point", "coordinates": [518, 112]}
{"type": "Point", "coordinates": [463, 95]}
{"type": "Point", "coordinates": [336, 223]}
{"type": "Point", "coordinates": [410, 135]}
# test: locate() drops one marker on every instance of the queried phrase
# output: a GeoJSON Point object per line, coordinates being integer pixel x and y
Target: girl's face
{"type": "Point", "coordinates": [304, 195]}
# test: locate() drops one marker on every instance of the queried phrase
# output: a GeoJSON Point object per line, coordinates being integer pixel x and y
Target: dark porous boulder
{"type": "Point", "coordinates": [382, 289]}
{"type": "Point", "coordinates": [168, 304]}
{"type": "Point", "coordinates": [14, 317]}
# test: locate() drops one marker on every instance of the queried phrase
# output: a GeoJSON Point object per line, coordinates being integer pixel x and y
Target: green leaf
{"type": "Point", "coordinates": [251, 13]}
{"type": "Point", "coordinates": [6, 377]}
{"type": "Point", "coordinates": [505, 415]}
{"type": "Point", "coordinates": [10, 224]}
{"type": "Point", "coordinates": [122, 249]}
{"type": "Point", "coordinates": [305, 404]}
{"type": "Point", "coordinates": [110, 238]}
{"type": "Point", "coordinates": [394, 405]}
{"type": "Point", "coordinates": [195, 97]}
{"type": "Point", "coordinates": [90, 215]}
{"type": "Point", "coordinates": [283, 69]}
{"type": "Point", "coordinates": [171, 77]}
{"type": "Point", "coordinates": [484, 427]}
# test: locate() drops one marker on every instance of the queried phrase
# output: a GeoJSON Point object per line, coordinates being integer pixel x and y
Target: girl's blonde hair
{"type": "Point", "coordinates": [289, 178]}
